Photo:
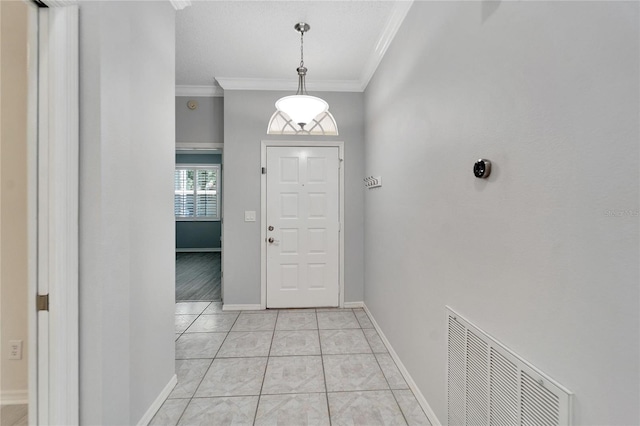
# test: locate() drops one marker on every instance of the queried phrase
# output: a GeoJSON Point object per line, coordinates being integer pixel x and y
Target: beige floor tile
{"type": "Point", "coordinates": [375, 408]}
{"type": "Point", "coordinates": [293, 410]}
{"type": "Point", "coordinates": [353, 373]}
{"type": "Point", "coordinates": [14, 415]}
{"type": "Point", "coordinates": [255, 322]}
{"type": "Point", "coordinates": [246, 344]}
{"type": "Point", "coordinates": [213, 323]}
{"type": "Point", "coordinates": [183, 322]}
{"type": "Point", "coordinates": [214, 308]}
{"type": "Point", "coordinates": [333, 320]}
{"type": "Point", "coordinates": [294, 374]}
{"type": "Point", "coordinates": [232, 377]}
{"type": "Point", "coordinates": [411, 408]}
{"type": "Point", "coordinates": [391, 372]}
{"type": "Point", "coordinates": [199, 345]}
{"type": "Point", "coordinates": [349, 341]}
{"type": "Point", "coordinates": [295, 342]}
{"type": "Point", "coordinates": [363, 318]}
{"type": "Point", "coordinates": [169, 413]}
{"type": "Point", "coordinates": [376, 343]}
{"type": "Point", "coordinates": [228, 411]}
{"type": "Point", "coordinates": [192, 308]}
{"type": "Point", "coordinates": [190, 372]}
{"type": "Point", "coordinates": [297, 321]}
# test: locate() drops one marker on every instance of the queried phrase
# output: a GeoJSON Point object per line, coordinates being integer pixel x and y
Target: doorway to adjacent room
{"type": "Point", "coordinates": [198, 214]}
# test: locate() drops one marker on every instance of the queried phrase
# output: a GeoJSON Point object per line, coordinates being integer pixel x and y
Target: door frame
{"type": "Point", "coordinates": [200, 148]}
{"type": "Point", "coordinates": [53, 201]}
{"type": "Point", "coordinates": [263, 211]}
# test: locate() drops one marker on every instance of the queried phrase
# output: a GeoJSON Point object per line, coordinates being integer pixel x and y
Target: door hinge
{"type": "Point", "coordinates": [42, 302]}
{"type": "Point", "coordinates": [264, 170]}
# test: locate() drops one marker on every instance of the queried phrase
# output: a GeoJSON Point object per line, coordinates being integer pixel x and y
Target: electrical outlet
{"type": "Point", "coordinates": [15, 349]}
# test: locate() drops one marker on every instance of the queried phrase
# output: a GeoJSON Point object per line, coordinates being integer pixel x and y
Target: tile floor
{"type": "Point", "coordinates": [14, 415]}
{"type": "Point", "coordinates": [284, 367]}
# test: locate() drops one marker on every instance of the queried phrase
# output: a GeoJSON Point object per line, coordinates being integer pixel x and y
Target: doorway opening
{"type": "Point", "coordinates": [198, 221]}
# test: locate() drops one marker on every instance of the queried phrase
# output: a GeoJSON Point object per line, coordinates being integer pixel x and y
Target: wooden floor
{"type": "Point", "coordinates": [197, 277]}
{"type": "Point", "coordinates": [14, 415]}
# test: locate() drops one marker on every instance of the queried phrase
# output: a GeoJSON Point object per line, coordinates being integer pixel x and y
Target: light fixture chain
{"type": "Point", "coordinates": [302, 48]}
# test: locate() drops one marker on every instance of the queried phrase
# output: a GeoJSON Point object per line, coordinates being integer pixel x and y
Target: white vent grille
{"type": "Point", "coordinates": [488, 384]}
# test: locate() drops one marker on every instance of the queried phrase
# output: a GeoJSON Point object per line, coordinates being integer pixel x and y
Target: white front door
{"type": "Point", "coordinates": [302, 227]}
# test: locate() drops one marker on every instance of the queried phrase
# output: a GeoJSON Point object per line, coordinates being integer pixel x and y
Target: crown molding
{"type": "Point", "coordinates": [198, 146]}
{"type": "Point", "coordinates": [399, 13]}
{"type": "Point", "coordinates": [205, 91]}
{"type": "Point", "coordinates": [60, 3]}
{"type": "Point", "coordinates": [180, 4]}
{"type": "Point", "coordinates": [393, 25]}
{"type": "Point", "coordinates": [289, 84]}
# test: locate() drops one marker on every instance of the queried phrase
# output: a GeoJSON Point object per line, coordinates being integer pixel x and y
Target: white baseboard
{"type": "Point", "coordinates": [353, 305]}
{"type": "Point", "coordinates": [15, 397]}
{"type": "Point", "coordinates": [405, 373]}
{"type": "Point", "coordinates": [155, 406]}
{"type": "Point", "coordinates": [197, 250]}
{"type": "Point", "coordinates": [249, 307]}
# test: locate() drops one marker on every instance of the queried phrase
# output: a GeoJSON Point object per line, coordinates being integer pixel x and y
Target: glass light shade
{"type": "Point", "coordinates": [302, 108]}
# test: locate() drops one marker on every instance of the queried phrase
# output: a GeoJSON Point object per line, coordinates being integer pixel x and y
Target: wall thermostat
{"type": "Point", "coordinates": [192, 105]}
{"type": "Point", "coordinates": [482, 168]}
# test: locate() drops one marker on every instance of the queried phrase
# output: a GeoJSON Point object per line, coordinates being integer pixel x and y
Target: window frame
{"type": "Point", "coordinates": [195, 168]}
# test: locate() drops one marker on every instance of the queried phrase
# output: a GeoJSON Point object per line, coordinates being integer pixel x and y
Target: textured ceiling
{"type": "Point", "coordinates": [256, 40]}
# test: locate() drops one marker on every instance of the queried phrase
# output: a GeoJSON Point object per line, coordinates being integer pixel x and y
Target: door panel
{"type": "Point", "coordinates": [303, 208]}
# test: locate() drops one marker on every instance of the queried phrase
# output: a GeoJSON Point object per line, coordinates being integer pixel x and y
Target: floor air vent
{"type": "Point", "coordinates": [490, 385]}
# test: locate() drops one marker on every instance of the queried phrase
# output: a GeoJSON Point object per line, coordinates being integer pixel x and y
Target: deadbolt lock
{"type": "Point", "coordinates": [270, 228]}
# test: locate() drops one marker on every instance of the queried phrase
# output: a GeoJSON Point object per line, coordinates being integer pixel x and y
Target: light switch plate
{"type": "Point", "coordinates": [249, 216]}
{"type": "Point", "coordinates": [15, 349]}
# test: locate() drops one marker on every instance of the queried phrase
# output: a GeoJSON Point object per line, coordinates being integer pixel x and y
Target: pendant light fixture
{"type": "Point", "coordinates": [301, 107]}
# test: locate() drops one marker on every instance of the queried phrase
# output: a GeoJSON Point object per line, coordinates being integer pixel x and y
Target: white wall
{"type": "Point", "coordinates": [127, 148]}
{"type": "Point", "coordinates": [13, 199]}
{"type": "Point", "coordinates": [246, 115]}
{"type": "Point", "coordinates": [548, 91]}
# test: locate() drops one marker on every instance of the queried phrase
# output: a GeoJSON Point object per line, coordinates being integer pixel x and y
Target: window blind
{"type": "Point", "coordinates": [196, 194]}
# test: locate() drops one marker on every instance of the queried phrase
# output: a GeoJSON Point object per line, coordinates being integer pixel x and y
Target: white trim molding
{"type": "Point", "coordinates": [397, 16]}
{"type": "Point", "coordinates": [199, 91]}
{"type": "Point", "coordinates": [32, 209]}
{"type": "Point", "coordinates": [60, 3]}
{"type": "Point", "coordinates": [58, 192]}
{"type": "Point", "coordinates": [245, 307]}
{"type": "Point", "coordinates": [428, 411]}
{"type": "Point", "coordinates": [14, 397]}
{"type": "Point", "coordinates": [196, 146]}
{"type": "Point", "coordinates": [157, 403]}
{"type": "Point", "coordinates": [353, 305]}
{"type": "Point", "coordinates": [180, 4]}
{"type": "Point", "coordinates": [288, 84]}
{"type": "Point", "coordinates": [400, 10]}
{"type": "Point", "coordinates": [263, 212]}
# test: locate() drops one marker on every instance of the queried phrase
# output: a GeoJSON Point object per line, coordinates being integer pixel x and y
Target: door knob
{"type": "Point", "coordinates": [271, 240]}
